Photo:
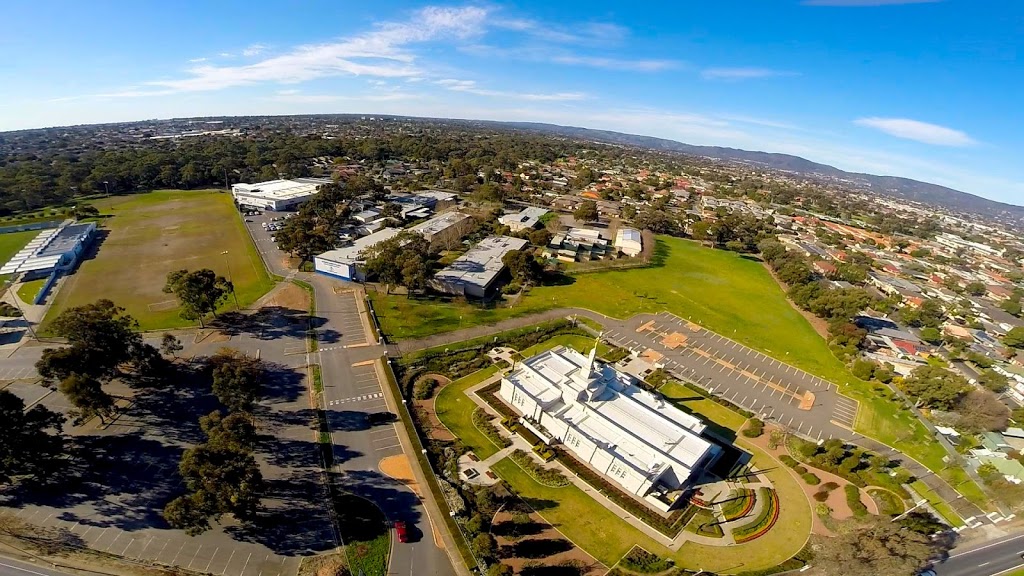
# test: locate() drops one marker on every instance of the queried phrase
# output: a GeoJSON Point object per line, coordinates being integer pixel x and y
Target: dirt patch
{"type": "Point", "coordinates": [289, 296]}
{"type": "Point", "coordinates": [432, 426]}
{"type": "Point", "coordinates": [524, 537]}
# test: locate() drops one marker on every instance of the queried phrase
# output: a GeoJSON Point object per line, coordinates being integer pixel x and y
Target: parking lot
{"type": "Point", "coordinates": [344, 318]}
{"type": "Point", "coordinates": [763, 385]}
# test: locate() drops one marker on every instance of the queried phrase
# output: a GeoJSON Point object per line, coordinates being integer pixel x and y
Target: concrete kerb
{"type": "Point", "coordinates": [430, 504]}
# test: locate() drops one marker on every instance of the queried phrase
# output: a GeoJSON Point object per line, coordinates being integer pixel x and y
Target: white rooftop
{"type": "Point", "coordinates": [352, 254]}
{"type": "Point", "coordinates": [640, 428]}
{"type": "Point", "coordinates": [627, 235]}
{"type": "Point", "coordinates": [482, 263]}
{"type": "Point", "coordinates": [46, 250]}
{"type": "Point", "coordinates": [277, 189]}
{"type": "Point", "coordinates": [440, 223]}
{"type": "Point", "coordinates": [527, 217]}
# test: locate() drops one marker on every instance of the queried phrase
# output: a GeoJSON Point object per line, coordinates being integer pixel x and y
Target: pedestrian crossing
{"type": "Point", "coordinates": [362, 398]}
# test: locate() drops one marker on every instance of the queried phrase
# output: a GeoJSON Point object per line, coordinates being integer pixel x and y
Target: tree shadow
{"type": "Point", "coordinates": [510, 529]}
{"type": "Point", "coordinates": [536, 548]}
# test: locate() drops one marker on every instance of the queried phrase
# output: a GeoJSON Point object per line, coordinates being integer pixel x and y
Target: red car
{"type": "Point", "coordinates": [401, 531]}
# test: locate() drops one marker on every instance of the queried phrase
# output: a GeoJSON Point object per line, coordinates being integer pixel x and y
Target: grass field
{"type": "Point", "coordinates": [11, 243]}
{"type": "Point", "coordinates": [727, 293]}
{"type": "Point", "coordinates": [152, 234]}
{"type": "Point", "coordinates": [28, 290]}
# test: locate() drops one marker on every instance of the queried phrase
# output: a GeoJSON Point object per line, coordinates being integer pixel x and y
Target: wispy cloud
{"type": "Point", "coordinates": [743, 73]}
{"type": "Point", "coordinates": [616, 63]}
{"type": "Point", "coordinates": [859, 3]}
{"type": "Point", "coordinates": [382, 52]}
{"type": "Point", "coordinates": [254, 50]}
{"type": "Point", "coordinates": [471, 87]}
{"type": "Point", "coordinates": [597, 33]}
{"type": "Point", "coordinates": [197, 60]}
{"type": "Point", "coordinates": [918, 131]}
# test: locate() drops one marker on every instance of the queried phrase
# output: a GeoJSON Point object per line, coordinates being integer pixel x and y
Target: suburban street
{"type": "Point", "coordinates": [352, 390]}
{"type": "Point", "coordinates": [986, 560]}
{"type": "Point", "coordinates": [12, 567]}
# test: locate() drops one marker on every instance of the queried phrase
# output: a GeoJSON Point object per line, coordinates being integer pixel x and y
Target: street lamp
{"type": "Point", "coordinates": [228, 264]}
{"type": "Point", "coordinates": [106, 186]}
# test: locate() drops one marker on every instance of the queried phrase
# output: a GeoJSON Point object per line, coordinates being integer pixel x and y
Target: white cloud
{"type": "Point", "coordinates": [226, 55]}
{"type": "Point", "coordinates": [616, 63]}
{"type": "Point", "coordinates": [295, 97]}
{"type": "Point", "coordinates": [743, 73]}
{"type": "Point", "coordinates": [197, 60]}
{"type": "Point", "coordinates": [382, 52]}
{"type": "Point", "coordinates": [254, 50]}
{"type": "Point", "coordinates": [596, 33]}
{"type": "Point", "coordinates": [918, 131]}
{"type": "Point", "coordinates": [471, 87]}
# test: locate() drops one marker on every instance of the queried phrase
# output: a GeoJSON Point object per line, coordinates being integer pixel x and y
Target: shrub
{"type": "Point", "coordinates": [788, 460]}
{"type": "Point", "coordinates": [740, 503]}
{"type": "Point", "coordinates": [545, 476]}
{"type": "Point", "coordinates": [482, 420]}
{"type": "Point", "coordinates": [764, 521]}
{"type": "Point", "coordinates": [811, 479]}
{"type": "Point", "coordinates": [754, 428]}
{"type": "Point", "coordinates": [820, 496]}
{"type": "Point", "coordinates": [853, 500]}
{"type": "Point", "coordinates": [801, 470]}
{"type": "Point", "coordinates": [829, 486]}
{"type": "Point", "coordinates": [643, 562]}
{"type": "Point", "coordinates": [424, 388]}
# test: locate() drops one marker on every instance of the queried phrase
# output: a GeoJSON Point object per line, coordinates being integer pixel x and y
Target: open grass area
{"type": "Point", "coordinates": [940, 506]}
{"type": "Point", "coordinates": [727, 293]}
{"type": "Point", "coordinates": [366, 535]}
{"type": "Point", "coordinates": [11, 243]}
{"type": "Point", "coordinates": [28, 290]}
{"type": "Point", "coordinates": [149, 235]}
{"type": "Point", "coordinates": [455, 410]}
{"type": "Point", "coordinates": [690, 401]}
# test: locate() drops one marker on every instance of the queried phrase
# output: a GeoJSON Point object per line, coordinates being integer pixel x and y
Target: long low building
{"type": "Point", "coordinates": [52, 250]}
{"type": "Point", "coordinates": [475, 272]}
{"type": "Point", "coordinates": [345, 262]}
{"type": "Point", "coordinates": [526, 218]}
{"type": "Point", "coordinates": [445, 230]}
{"type": "Point", "coordinates": [634, 438]}
{"type": "Point", "coordinates": [277, 194]}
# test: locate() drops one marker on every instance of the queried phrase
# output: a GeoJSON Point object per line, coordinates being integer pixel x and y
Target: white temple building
{"type": "Point", "coordinates": [634, 438]}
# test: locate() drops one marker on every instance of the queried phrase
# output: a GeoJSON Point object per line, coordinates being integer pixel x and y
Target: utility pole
{"type": "Point", "coordinates": [228, 264]}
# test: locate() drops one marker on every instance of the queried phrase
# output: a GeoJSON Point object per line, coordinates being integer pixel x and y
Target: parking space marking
{"type": "Point", "coordinates": [361, 398]}
{"type": "Point", "coordinates": [194, 557]}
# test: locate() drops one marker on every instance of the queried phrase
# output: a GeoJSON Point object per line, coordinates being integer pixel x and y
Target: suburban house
{"type": "Point", "coordinates": [634, 438]}
{"type": "Point", "coordinates": [629, 241]}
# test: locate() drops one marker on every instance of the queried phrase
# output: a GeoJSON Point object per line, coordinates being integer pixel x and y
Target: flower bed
{"type": "Point", "coordinates": [764, 521]}
{"type": "Point", "coordinates": [542, 475]}
{"type": "Point", "coordinates": [489, 394]}
{"type": "Point", "coordinates": [482, 420]}
{"type": "Point", "coordinates": [740, 506]}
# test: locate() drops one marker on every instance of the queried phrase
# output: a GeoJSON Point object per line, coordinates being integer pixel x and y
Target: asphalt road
{"type": "Point", "coordinates": [12, 567]}
{"type": "Point", "coordinates": [987, 560]}
{"type": "Point", "coordinates": [352, 391]}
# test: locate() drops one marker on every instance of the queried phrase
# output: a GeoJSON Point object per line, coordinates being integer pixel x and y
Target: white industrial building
{"type": "Point", "coordinates": [629, 241]}
{"type": "Point", "coordinates": [524, 219]}
{"type": "Point", "coordinates": [475, 272]}
{"type": "Point", "coordinates": [277, 195]}
{"type": "Point", "coordinates": [53, 250]}
{"type": "Point", "coordinates": [634, 438]}
{"type": "Point", "coordinates": [345, 262]}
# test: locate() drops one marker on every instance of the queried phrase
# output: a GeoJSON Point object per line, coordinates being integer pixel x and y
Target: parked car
{"type": "Point", "coordinates": [401, 531]}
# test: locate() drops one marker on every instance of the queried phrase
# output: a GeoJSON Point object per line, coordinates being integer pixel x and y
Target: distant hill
{"type": "Point", "coordinates": [892, 186]}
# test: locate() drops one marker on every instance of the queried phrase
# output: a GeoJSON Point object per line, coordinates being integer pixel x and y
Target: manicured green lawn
{"type": "Point", "coordinates": [944, 510]}
{"type": "Point", "coordinates": [455, 410]}
{"type": "Point", "coordinates": [155, 233]}
{"type": "Point", "coordinates": [28, 290]}
{"type": "Point", "coordinates": [725, 292]}
{"type": "Point", "coordinates": [710, 410]}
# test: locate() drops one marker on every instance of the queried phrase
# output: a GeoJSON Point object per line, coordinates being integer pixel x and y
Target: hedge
{"type": "Point", "coordinates": [811, 479]}
{"type": "Point", "coordinates": [489, 395]}
{"type": "Point", "coordinates": [670, 526]}
{"type": "Point", "coordinates": [789, 460]}
{"type": "Point", "coordinates": [482, 420]}
{"type": "Point", "coordinates": [739, 506]}
{"type": "Point", "coordinates": [764, 521]}
{"type": "Point", "coordinates": [754, 428]}
{"type": "Point", "coordinates": [544, 476]}
{"type": "Point", "coordinates": [854, 502]}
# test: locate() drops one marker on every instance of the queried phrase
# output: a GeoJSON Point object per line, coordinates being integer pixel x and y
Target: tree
{"type": "Point", "coordinates": [935, 387]}
{"type": "Point", "coordinates": [976, 288]}
{"type": "Point", "coordinates": [874, 546]}
{"type": "Point", "coordinates": [235, 430]}
{"type": "Point", "coordinates": [403, 260]}
{"type": "Point", "coordinates": [586, 211]}
{"type": "Point", "coordinates": [1015, 337]}
{"type": "Point", "coordinates": [237, 378]}
{"type": "Point", "coordinates": [863, 369]}
{"type": "Point", "coordinates": [499, 569]}
{"type": "Point", "coordinates": [199, 292]}
{"type": "Point", "coordinates": [170, 345]}
{"type": "Point", "coordinates": [87, 396]}
{"type": "Point", "coordinates": [993, 380]}
{"type": "Point", "coordinates": [485, 546]}
{"type": "Point", "coordinates": [522, 265]}
{"type": "Point", "coordinates": [981, 411]}
{"type": "Point", "coordinates": [1012, 306]}
{"type": "Point", "coordinates": [931, 335]}
{"type": "Point", "coordinates": [101, 338]}
{"type": "Point", "coordinates": [540, 237]}
{"type": "Point", "coordinates": [391, 210]}
{"type": "Point", "coordinates": [31, 443]}
{"type": "Point", "coordinates": [224, 480]}
{"type": "Point", "coordinates": [190, 513]}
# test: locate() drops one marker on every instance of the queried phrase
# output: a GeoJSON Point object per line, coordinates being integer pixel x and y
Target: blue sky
{"type": "Point", "coordinates": [925, 89]}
